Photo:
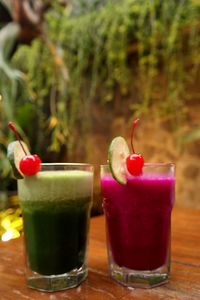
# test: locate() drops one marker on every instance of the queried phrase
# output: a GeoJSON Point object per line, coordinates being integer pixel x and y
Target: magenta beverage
{"type": "Point", "coordinates": [138, 224]}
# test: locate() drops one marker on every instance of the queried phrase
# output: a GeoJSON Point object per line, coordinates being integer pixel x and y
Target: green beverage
{"type": "Point", "coordinates": [56, 209]}
{"type": "Point", "coordinates": [56, 201]}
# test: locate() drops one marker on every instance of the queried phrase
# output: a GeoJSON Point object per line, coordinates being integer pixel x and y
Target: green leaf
{"type": "Point", "coordinates": [193, 135]}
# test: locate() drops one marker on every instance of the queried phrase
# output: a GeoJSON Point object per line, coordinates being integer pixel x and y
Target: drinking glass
{"type": "Point", "coordinates": [138, 224]}
{"type": "Point", "coordinates": [56, 205]}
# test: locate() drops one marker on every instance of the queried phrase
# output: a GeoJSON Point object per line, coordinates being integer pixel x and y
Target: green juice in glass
{"type": "Point", "coordinates": [56, 209]}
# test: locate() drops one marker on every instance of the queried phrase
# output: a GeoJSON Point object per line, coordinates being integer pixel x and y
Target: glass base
{"type": "Point", "coordinates": [139, 279]}
{"type": "Point", "coordinates": [59, 282]}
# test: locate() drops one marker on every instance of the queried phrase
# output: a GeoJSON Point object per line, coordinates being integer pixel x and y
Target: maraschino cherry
{"type": "Point", "coordinates": [29, 164]}
{"type": "Point", "coordinates": [134, 162]}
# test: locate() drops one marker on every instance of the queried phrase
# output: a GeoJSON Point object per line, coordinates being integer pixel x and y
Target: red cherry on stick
{"type": "Point", "coordinates": [134, 162]}
{"type": "Point", "coordinates": [29, 164]}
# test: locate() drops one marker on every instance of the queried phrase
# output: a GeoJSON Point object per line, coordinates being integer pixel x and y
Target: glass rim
{"type": "Point", "coordinates": [67, 164]}
{"type": "Point", "coordinates": [160, 164]}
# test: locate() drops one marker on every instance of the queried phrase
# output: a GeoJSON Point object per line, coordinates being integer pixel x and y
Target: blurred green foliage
{"type": "Point", "coordinates": [80, 7]}
{"type": "Point", "coordinates": [94, 50]}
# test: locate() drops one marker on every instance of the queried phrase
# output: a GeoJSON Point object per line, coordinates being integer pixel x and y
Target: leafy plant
{"type": "Point", "coordinates": [193, 135]}
{"type": "Point", "coordinates": [145, 53]}
{"type": "Point", "coordinates": [80, 7]}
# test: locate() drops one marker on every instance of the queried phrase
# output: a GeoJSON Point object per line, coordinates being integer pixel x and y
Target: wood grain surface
{"type": "Point", "coordinates": [185, 267]}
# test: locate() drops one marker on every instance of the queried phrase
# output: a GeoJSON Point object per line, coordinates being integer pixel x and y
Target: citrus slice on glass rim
{"type": "Point", "coordinates": [117, 153]}
{"type": "Point", "coordinates": [15, 153]}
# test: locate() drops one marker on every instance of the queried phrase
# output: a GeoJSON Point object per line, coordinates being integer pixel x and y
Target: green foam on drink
{"type": "Point", "coordinates": [55, 186]}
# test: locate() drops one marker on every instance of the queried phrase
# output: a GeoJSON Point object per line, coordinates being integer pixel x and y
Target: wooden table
{"type": "Point", "coordinates": [185, 273]}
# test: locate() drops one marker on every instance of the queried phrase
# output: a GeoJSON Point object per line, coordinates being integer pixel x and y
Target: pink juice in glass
{"type": "Point", "coordinates": [138, 218]}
